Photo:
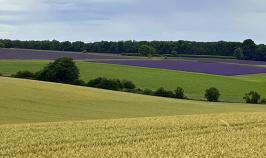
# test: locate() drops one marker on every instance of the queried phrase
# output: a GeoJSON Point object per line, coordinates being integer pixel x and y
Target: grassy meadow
{"type": "Point", "coordinates": [232, 88]}
{"type": "Point", "coordinates": [211, 135]}
{"type": "Point", "coordinates": [30, 101]}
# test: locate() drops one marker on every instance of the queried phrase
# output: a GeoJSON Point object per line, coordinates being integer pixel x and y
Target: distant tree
{"type": "Point", "coordinates": [212, 94]}
{"type": "Point", "coordinates": [252, 97]}
{"type": "Point", "coordinates": [249, 48]}
{"type": "Point", "coordinates": [163, 93]}
{"type": "Point", "coordinates": [63, 70]}
{"type": "Point", "coordinates": [179, 93]}
{"type": "Point", "coordinates": [25, 74]}
{"type": "Point", "coordinates": [261, 52]}
{"type": "Point", "coordinates": [174, 53]}
{"type": "Point", "coordinates": [104, 83]}
{"type": "Point", "coordinates": [128, 84]}
{"type": "Point", "coordinates": [263, 101]}
{"type": "Point", "coordinates": [145, 50]}
{"type": "Point", "coordinates": [238, 53]}
{"type": "Point", "coordinates": [2, 45]}
{"type": "Point", "coordinates": [148, 92]}
{"type": "Point", "coordinates": [79, 82]}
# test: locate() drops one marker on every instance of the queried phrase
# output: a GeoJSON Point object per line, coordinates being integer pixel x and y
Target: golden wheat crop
{"type": "Point", "coordinates": [211, 135]}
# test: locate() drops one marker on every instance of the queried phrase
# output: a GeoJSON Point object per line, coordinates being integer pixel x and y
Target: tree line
{"type": "Point", "coordinates": [247, 49]}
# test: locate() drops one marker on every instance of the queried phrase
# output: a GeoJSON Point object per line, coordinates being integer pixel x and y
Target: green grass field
{"type": "Point", "coordinates": [232, 88]}
{"type": "Point", "coordinates": [27, 101]}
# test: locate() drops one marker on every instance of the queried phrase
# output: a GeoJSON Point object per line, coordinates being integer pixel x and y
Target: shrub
{"type": "Point", "coordinates": [104, 83]}
{"type": "Point", "coordinates": [252, 97]}
{"type": "Point", "coordinates": [163, 93]}
{"type": "Point", "coordinates": [63, 70]}
{"type": "Point", "coordinates": [179, 93]}
{"type": "Point", "coordinates": [128, 84]}
{"type": "Point", "coordinates": [136, 90]}
{"type": "Point", "coordinates": [263, 101]}
{"type": "Point", "coordinates": [79, 82]}
{"type": "Point", "coordinates": [148, 92]}
{"type": "Point", "coordinates": [212, 94]}
{"type": "Point", "coordinates": [24, 74]}
{"type": "Point", "coordinates": [84, 51]}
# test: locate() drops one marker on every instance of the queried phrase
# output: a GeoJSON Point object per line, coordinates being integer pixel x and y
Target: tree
{"type": "Point", "coordinates": [128, 84]}
{"type": "Point", "coordinates": [174, 53]}
{"type": "Point", "coordinates": [63, 70]}
{"type": "Point", "coordinates": [163, 93]}
{"type": "Point", "coordinates": [179, 93]}
{"type": "Point", "coordinates": [2, 45]}
{"type": "Point", "coordinates": [249, 48]}
{"type": "Point", "coordinates": [238, 53]}
{"type": "Point", "coordinates": [212, 94]}
{"type": "Point", "coordinates": [145, 50]}
{"type": "Point", "coordinates": [252, 97]}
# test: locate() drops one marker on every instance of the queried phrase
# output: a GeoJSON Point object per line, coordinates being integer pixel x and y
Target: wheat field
{"type": "Point", "coordinates": [204, 135]}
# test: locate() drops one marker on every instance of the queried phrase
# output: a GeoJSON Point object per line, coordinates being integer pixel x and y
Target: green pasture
{"type": "Point", "coordinates": [30, 101]}
{"type": "Point", "coordinates": [232, 88]}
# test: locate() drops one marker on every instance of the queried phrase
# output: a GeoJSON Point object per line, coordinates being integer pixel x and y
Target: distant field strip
{"type": "Point", "coordinates": [50, 55]}
{"type": "Point", "coordinates": [201, 67]}
{"type": "Point", "coordinates": [212, 135]}
{"type": "Point", "coordinates": [28, 101]}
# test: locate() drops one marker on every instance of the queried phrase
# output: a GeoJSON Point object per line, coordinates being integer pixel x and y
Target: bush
{"type": "Point", "coordinates": [163, 93]}
{"type": "Point", "coordinates": [179, 93]}
{"type": "Point", "coordinates": [263, 101]}
{"type": "Point", "coordinates": [148, 92]}
{"type": "Point", "coordinates": [79, 82]}
{"type": "Point", "coordinates": [24, 74]}
{"type": "Point", "coordinates": [62, 70]}
{"type": "Point", "coordinates": [252, 97]}
{"type": "Point", "coordinates": [212, 94]}
{"type": "Point", "coordinates": [128, 84]}
{"type": "Point", "coordinates": [136, 90]}
{"type": "Point", "coordinates": [104, 83]}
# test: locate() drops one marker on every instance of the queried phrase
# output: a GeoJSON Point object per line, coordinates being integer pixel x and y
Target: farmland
{"type": "Point", "coordinates": [29, 101]}
{"type": "Point", "coordinates": [212, 135]}
{"type": "Point", "coordinates": [232, 88]}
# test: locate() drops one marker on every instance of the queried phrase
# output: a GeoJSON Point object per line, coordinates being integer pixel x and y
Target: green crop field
{"type": "Point", "coordinates": [212, 135]}
{"type": "Point", "coordinates": [232, 88]}
{"type": "Point", "coordinates": [26, 101]}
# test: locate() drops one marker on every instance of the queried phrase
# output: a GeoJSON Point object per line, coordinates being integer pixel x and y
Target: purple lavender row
{"type": "Point", "coordinates": [36, 54]}
{"type": "Point", "coordinates": [210, 68]}
{"type": "Point", "coordinates": [233, 61]}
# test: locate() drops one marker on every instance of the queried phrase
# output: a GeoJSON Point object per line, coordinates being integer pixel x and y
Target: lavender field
{"type": "Point", "coordinates": [213, 60]}
{"type": "Point", "coordinates": [201, 67]}
{"type": "Point", "coordinates": [51, 55]}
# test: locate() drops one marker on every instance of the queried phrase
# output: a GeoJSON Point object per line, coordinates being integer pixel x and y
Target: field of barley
{"type": "Point", "coordinates": [206, 135]}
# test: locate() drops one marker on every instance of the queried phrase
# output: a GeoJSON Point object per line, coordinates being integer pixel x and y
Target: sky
{"type": "Point", "coordinates": [116, 20]}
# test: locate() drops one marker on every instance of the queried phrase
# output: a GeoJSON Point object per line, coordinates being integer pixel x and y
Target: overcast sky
{"type": "Point", "coordinates": [114, 20]}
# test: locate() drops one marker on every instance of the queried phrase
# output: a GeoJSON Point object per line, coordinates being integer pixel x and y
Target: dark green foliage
{"type": "Point", "coordinates": [249, 48]}
{"type": "Point", "coordinates": [136, 90]}
{"type": "Point", "coordinates": [252, 97]}
{"type": "Point", "coordinates": [212, 94]}
{"type": "Point", "coordinates": [2, 45]}
{"type": "Point", "coordinates": [179, 93]}
{"type": "Point", "coordinates": [62, 70]}
{"type": "Point", "coordinates": [104, 83]}
{"type": "Point", "coordinates": [24, 74]}
{"type": "Point", "coordinates": [148, 92]}
{"type": "Point", "coordinates": [145, 50]}
{"type": "Point", "coordinates": [263, 101]}
{"type": "Point", "coordinates": [112, 84]}
{"type": "Point", "coordinates": [79, 82]}
{"type": "Point", "coordinates": [128, 84]}
{"type": "Point", "coordinates": [163, 93]}
{"type": "Point", "coordinates": [174, 53]}
{"type": "Point", "coordinates": [238, 53]}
